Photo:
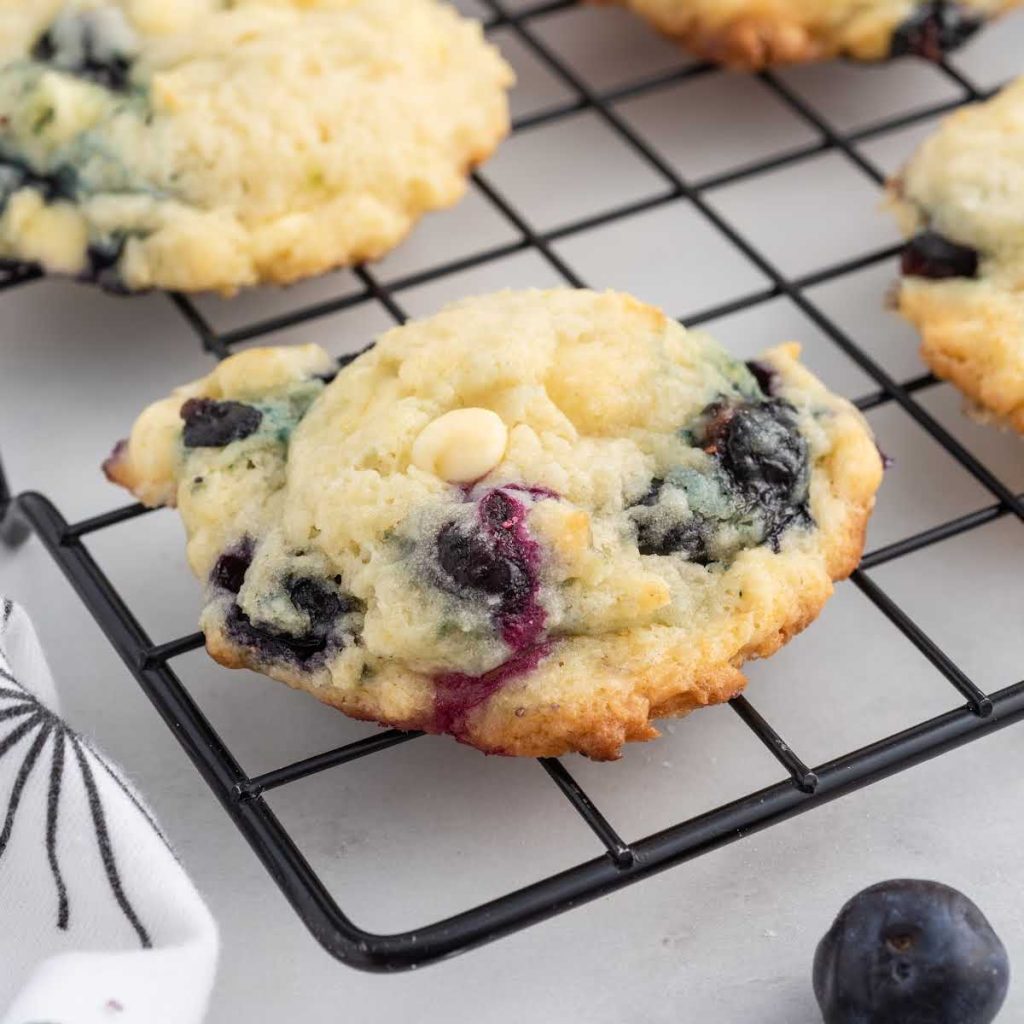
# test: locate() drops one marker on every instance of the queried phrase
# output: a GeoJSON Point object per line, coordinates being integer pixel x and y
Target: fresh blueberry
{"type": "Point", "coordinates": [910, 952]}
{"type": "Point", "coordinates": [96, 45]}
{"type": "Point", "coordinates": [929, 254]}
{"type": "Point", "coordinates": [212, 424]}
{"type": "Point", "coordinates": [936, 28]}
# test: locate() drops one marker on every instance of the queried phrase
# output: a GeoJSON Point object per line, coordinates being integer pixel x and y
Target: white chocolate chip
{"type": "Point", "coordinates": [462, 445]}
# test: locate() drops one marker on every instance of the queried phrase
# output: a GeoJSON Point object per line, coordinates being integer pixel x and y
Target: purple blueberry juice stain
{"type": "Point", "coordinates": [456, 695]}
{"type": "Point", "coordinates": [520, 618]}
{"type": "Point", "coordinates": [501, 560]}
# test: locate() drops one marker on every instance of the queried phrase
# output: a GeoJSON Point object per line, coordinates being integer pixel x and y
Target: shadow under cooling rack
{"type": "Point", "coordinates": [618, 862]}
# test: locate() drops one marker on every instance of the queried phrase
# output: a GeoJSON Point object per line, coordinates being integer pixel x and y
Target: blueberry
{"type": "Point", "coordinates": [495, 558]}
{"type": "Point", "coordinates": [211, 424]}
{"type": "Point", "coordinates": [936, 28]}
{"type": "Point", "coordinates": [60, 183]}
{"type": "Point", "coordinates": [910, 952]}
{"type": "Point", "coordinates": [656, 536]}
{"type": "Point", "coordinates": [765, 454]}
{"type": "Point", "coordinates": [96, 45]}
{"type": "Point", "coordinates": [929, 254]}
{"type": "Point", "coordinates": [765, 374]}
{"type": "Point", "coordinates": [230, 569]}
{"type": "Point", "coordinates": [322, 602]}
{"type": "Point", "coordinates": [470, 561]}
{"type": "Point", "coordinates": [689, 538]}
{"type": "Point", "coordinates": [104, 257]}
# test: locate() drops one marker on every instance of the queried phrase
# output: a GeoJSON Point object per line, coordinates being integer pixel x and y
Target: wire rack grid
{"type": "Point", "coordinates": [620, 862]}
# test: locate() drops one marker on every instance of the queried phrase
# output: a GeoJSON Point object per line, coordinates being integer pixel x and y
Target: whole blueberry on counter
{"type": "Point", "coordinates": [910, 952]}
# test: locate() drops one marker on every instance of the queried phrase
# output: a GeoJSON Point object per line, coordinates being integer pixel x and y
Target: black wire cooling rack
{"type": "Point", "coordinates": [621, 862]}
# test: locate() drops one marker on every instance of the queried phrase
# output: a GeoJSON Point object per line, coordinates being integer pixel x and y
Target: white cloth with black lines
{"type": "Point", "coordinates": [100, 921]}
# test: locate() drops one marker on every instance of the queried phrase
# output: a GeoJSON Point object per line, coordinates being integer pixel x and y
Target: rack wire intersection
{"type": "Point", "coordinates": [621, 862]}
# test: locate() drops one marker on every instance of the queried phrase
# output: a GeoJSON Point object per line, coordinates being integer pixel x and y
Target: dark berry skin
{"type": "Point", "coordinates": [211, 424]}
{"type": "Point", "coordinates": [323, 602]}
{"type": "Point", "coordinates": [324, 605]}
{"type": "Point", "coordinates": [688, 537]}
{"type": "Point", "coordinates": [934, 29]}
{"type": "Point", "coordinates": [230, 569]}
{"type": "Point", "coordinates": [765, 374]}
{"type": "Point", "coordinates": [763, 452]}
{"type": "Point", "coordinates": [487, 558]}
{"type": "Point", "coordinates": [60, 183]}
{"type": "Point", "coordinates": [111, 70]}
{"type": "Point", "coordinates": [495, 557]}
{"type": "Point", "coordinates": [470, 560]}
{"type": "Point", "coordinates": [910, 952]}
{"type": "Point", "coordinates": [929, 254]}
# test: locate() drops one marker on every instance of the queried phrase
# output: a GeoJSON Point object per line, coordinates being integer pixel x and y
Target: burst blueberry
{"type": "Point", "coordinates": [471, 562]}
{"type": "Point", "coordinates": [323, 603]}
{"type": "Point", "coordinates": [229, 570]}
{"type": "Point", "coordinates": [910, 952]}
{"type": "Point", "coordinates": [929, 254]}
{"type": "Point", "coordinates": [936, 28]}
{"type": "Point", "coordinates": [764, 452]}
{"type": "Point", "coordinates": [495, 558]}
{"type": "Point", "coordinates": [212, 424]}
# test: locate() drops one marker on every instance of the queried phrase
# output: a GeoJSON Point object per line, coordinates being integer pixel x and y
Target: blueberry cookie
{"type": "Point", "coordinates": [220, 143]}
{"type": "Point", "coordinates": [535, 521]}
{"type": "Point", "coordinates": [753, 34]}
{"type": "Point", "coordinates": [960, 201]}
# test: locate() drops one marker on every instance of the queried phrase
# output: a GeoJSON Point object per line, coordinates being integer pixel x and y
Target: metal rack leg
{"type": "Point", "coordinates": [14, 530]}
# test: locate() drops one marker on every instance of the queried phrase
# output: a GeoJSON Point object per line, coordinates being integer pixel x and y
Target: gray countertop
{"type": "Point", "coordinates": [430, 828]}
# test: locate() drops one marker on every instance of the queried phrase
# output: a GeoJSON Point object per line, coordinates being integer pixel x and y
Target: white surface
{"type": "Point", "coordinates": [431, 827]}
{"type": "Point", "coordinates": [88, 965]}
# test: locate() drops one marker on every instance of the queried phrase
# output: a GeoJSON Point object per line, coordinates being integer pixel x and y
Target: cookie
{"type": "Point", "coordinates": [960, 200]}
{"type": "Point", "coordinates": [752, 34]}
{"type": "Point", "coordinates": [211, 145]}
{"type": "Point", "coordinates": [536, 521]}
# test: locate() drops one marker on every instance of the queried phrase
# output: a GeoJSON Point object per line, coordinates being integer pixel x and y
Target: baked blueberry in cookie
{"type": "Point", "coordinates": [537, 521]}
{"type": "Point", "coordinates": [931, 255]}
{"type": "Point", "coordinates": [212, 145]}
{"type": "Point", "coordinates": [751, 34]}
{"type": "Point", "coordinates": [959, 201]}
{"type": "Point", "coordinates": [98, 45]}
{"type": "Point", "coordinates": [935, 28]}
